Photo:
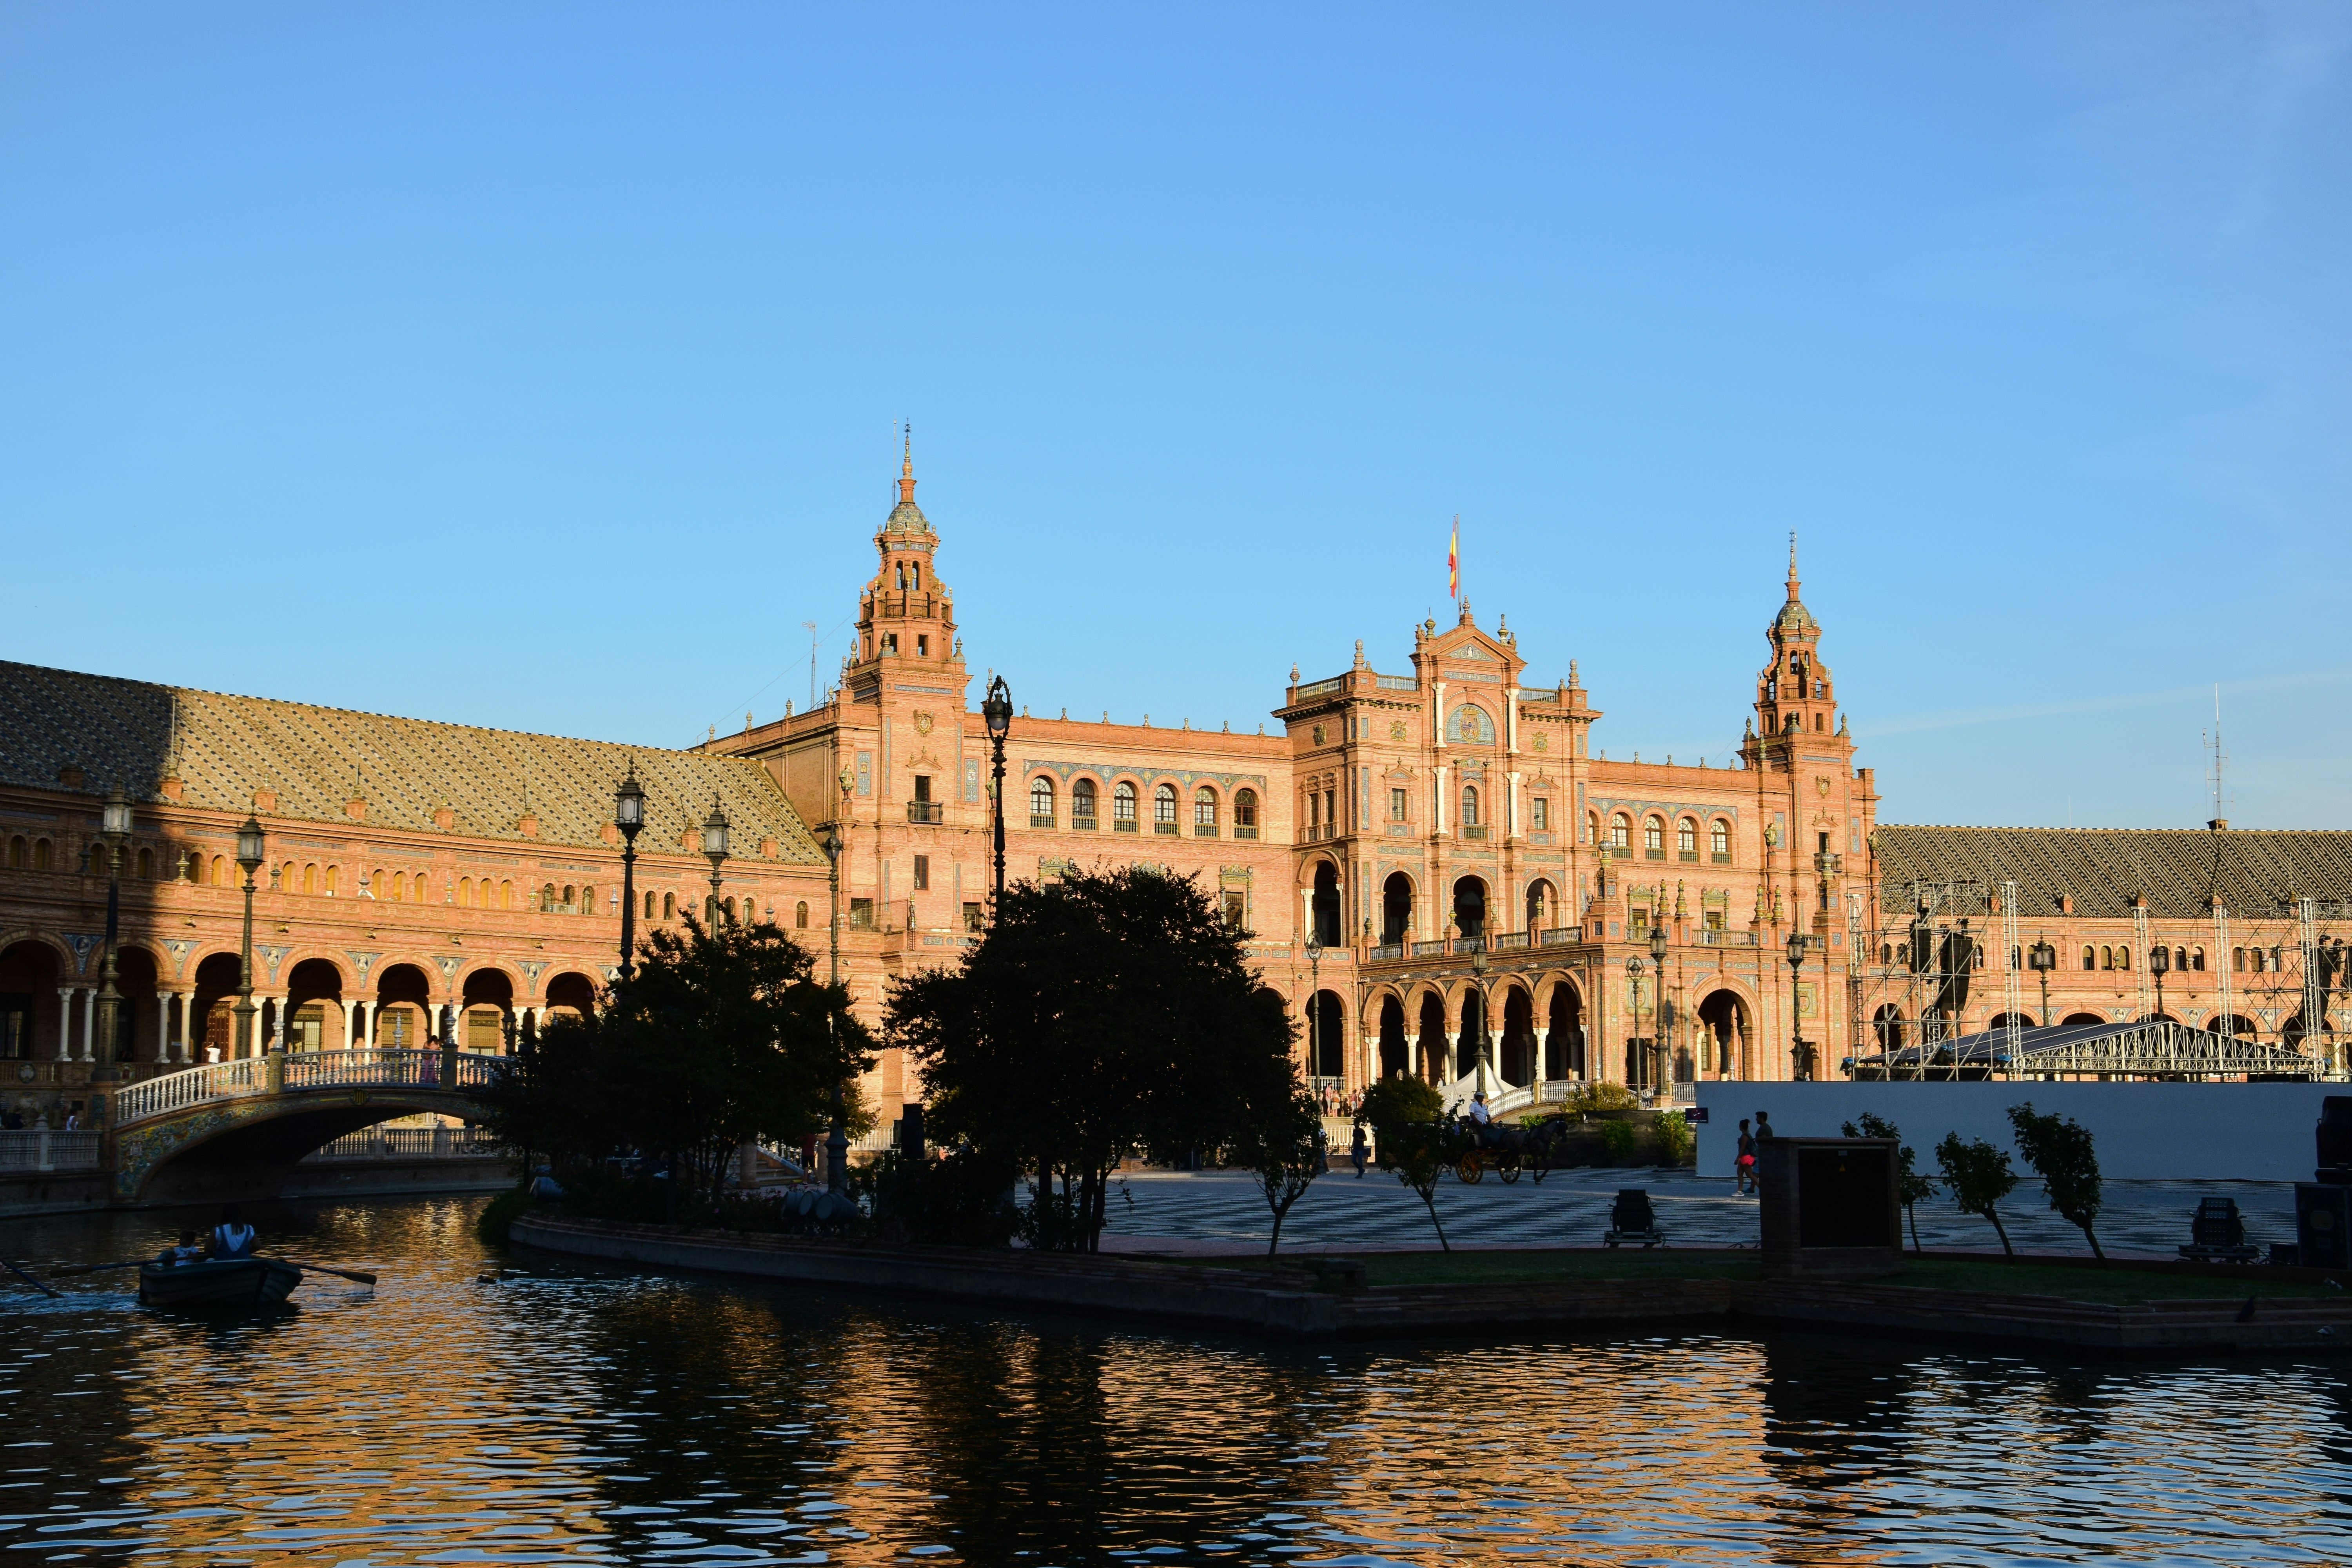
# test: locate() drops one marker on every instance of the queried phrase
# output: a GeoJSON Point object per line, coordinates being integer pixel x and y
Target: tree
{"type": "Point", "coordinates": [1104, 1014]}
{"type": "Point", "coordinates": [1412, 1137]}
{"type": "Point", "coordinates": [1910, 1185]}
{"type": "Point", "coordinates": [1980, 1177]}
{"type": "Point", "coordinates": [2059, 1149]}
{"type": "Point", "coordinates": [1274, 1141]}
{"type": "Point", "coordinates": [723, 1036]}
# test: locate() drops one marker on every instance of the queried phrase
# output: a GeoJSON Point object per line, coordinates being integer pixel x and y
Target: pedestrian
{"type": "Point", "coordinates": [1322, 1150]}
{"type": "Point", "coordinates": [1744, 1170]}
{"type": "Point", "coordinates": [1358, 1149]}
{"type": "Point", "coordinates": [1763, 1127]}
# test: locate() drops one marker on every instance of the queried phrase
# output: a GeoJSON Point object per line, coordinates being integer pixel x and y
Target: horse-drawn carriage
{"type": "Point", "coordinates": [1509, 1149]}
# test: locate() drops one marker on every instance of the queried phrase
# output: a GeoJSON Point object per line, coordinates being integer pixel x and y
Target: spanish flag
{"type": "Point", "coordinates": [1454, 560]}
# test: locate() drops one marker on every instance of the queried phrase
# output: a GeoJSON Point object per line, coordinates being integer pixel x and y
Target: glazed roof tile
{"type": "Point", "coordinates": [2105, 869]}
{"type": "Point", "coordinates": [224, 749]}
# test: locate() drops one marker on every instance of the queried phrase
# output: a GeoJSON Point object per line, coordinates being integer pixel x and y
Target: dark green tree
{"type": "Point", "coordinates": [1980, 1177]}
{"type": "Point", "coordinates": [1105, 1015]}
{"type": "Point", "coordinates": [2059, 1149]}
{"type": "Point", "coordinates": [723, 1036]}
{"type": "Point", "coordinates": [1413, 1137]}
{"type": "Point", "coordinates": [1910, 1184]}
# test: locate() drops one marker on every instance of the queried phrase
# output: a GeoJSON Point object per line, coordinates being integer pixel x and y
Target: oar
{"type": "Point", "coordinates": [28, 1279]}
{"type": "Point", "coordinates": [99, 1268]}
{"type": "Point", "coordinates": [354, 1274]}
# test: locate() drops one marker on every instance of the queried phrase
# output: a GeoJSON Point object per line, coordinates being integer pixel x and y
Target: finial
{"type": "Point", "coordinates": [1792, 566]}
{"type": "Point", "coordinates": [1294, 674]}
{"type": "Point", "coordinates": [907, 469]}
{"type": "Point", "coordinates": [1571, 672]}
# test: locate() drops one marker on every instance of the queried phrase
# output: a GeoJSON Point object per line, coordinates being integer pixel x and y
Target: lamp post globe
{"type": "Point", "coordinates": [714, 849]}
{"type": "Point", "coordinates": [251, 846]}
{"type": "Point", "coordinates": [1800, 1054]}
{"type": "Point", "coordinates": [2042, 958]}
{"type": "Point", "coordinates": [996, 713]}
{"type": "Point", "coordinates": [2160, 963]}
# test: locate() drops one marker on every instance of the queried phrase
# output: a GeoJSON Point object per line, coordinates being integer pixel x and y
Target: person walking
{"type": "Point", "coordinates": [1763, 1127]}
{"type": "Point", "coordinates": [1744, 1168]}
{"type": "Point", "coordinates": [1358, 1149]}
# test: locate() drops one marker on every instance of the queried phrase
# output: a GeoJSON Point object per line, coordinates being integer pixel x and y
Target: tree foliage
{"type": "Point", "coordinates": [1910, 1184]}
{"type": "Point", "coordinates": [2059, 1149]}
{"type": "Point", "coordinates": [1274, 1140]}
{"type": "Point", "coordinates": [1979, 1178]}
{"type": "Point", "coordinates": [722, 1036]}
{"type": "Point", "coordinates": [1415, 1138]}
{"type": "Point", "coordinates": [1108, 1013]}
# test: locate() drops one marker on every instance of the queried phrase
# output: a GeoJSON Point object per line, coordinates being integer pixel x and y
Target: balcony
{"type": "Point", "coordinates": [1510, 940]}
{"type": "Point", "coordinates": [1388, 950]}
{"type": "Point", "coordinates": [1654, 854]}
{"type": "Point", "coordinates": [1317, 832]}
{"type": "Point", "coordinates": [1168, 827]}
{"type": "Point", "coordinates": [1560, 936]}
{"type": "Point", "coordinates": [931, 811]}
{"type": "Point", "coordinates": [1124, 825]}
{"type": "Point", "coordinates": [1205, 830]}
{"type": "Point", "coordinates": [1720, 857]}
{"type": "Point", "coordinates": [1428, 949]}
{"type": "Point", "coordinates": [1041, 819]}
{"type": "Point", "coordinates": [1244, 830]}
{"type": "Point", "coordinates": [1712, 938]}
{"type": "Point", "coordinates": [1475, 830]}
{"type": "Point", "coordinates": [1689, 856]}
{"type": "Point", "coordinates": [1082, 825]}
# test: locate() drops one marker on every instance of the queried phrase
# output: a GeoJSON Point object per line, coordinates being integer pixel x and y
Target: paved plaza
{"type": "Point", "coordinates": [1223, 1212]}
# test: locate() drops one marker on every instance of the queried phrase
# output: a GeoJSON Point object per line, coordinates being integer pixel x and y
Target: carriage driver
{"type": "Point", "coordinates": [1478, 1111]}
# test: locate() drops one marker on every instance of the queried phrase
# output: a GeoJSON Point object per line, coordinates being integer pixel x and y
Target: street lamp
{"type": "Point", "coordinates": [714, 845]}
{"type": "Point", "coordinates": [2159, 961]}
{"type": "Point", "coordinates": [1314, 990]}
{"type": "Point", "coordinates": [1801, 1055]}
{"type": "Point", "coordinates": [629, 816]}
{"type": "Point", "coordinates": [1658, 993]}
{"type": "Point", "coordinates": [836, 1141]}
{"type": "Point", "coordinates": [250, 848]}
{"type": "Point", "coordinates": [114, 827]}
{"type": "Point", "coordinates": [1478, 978]}
{"type": "Point", "coordinates": [1633, 967]}
{"type": "Point", "coordinates": [2042, 958]}
{"type": "Point", "coordinates": [996, 712]}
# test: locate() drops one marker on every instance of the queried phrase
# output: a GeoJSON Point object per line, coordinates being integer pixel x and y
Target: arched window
{"type": "Point", "coordinates": [1653, 836]}
{"type": "Point", "coordinates": [506, 895]}
{"type": "Point", "coordinates": [1885, 953]}
{"type": "Point", "coordinates": [2090, 957]}
{"type": "Point", "coordinates": [587, 900]}
{"type": "Point", "coordinates": [2106, 958]}
{"type": "Point", "coordinates": [326, 883]}
{"type": "Point", "coordinates": [1469, 805]}
{"type": "Point", "coordinates": [1538, 904]}
{"type": "Point", "coordinates": [669, 906]}
{"type": "Point", "coordinates": [800, 915]}
{"type": "Point", "coordinates": [2196, 958]}
{"type": "Point", "coordinates": [652, 903]}
{"type": "Point", "coordinates": [1122, 802]}
{"type": "Point", "coordinates": [1164, 804]}
{"type": "Point", "coordinates": [731, 911]}
{"type": "Point", "coordinates": [1592, 827]}
{"type": "Point", "coordinates": [1245, 808]}
{"type": "Point", "coordinates": [146, 865]}
{"type": "Point", "coordinates": [546, 899]}
{"type": "Point", "coordinates": [1686, 836]}
{"type": "Point", "coordinates": [1204, 808]}
{"type": "Point", "coordinates": [466, 894]}
{"type": "Point", "coordinates": [18, 853]}
{"type": "Point", "coordinates": [1082, 800]}
{"type": "Point", "coordinates": [1621, 831]}
{"type": "Point", "coordinates": [1719, 837]}
{"type": "Point", "coordinates": [1041, 802]}
{"type": "Point", "coordinates": [571, 899]}
{"type": "Point", "coordinates": [2123, 958]}
{"type": "Point", "coordinates": [41, 853]}
{"type": "Point", "coordinates": [290, 878]}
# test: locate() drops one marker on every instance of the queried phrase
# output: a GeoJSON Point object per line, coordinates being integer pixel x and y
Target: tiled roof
{"type": "Point", "coordinates": [2104, 869]}
{"type": "Point", "coordinates": [224, 750]}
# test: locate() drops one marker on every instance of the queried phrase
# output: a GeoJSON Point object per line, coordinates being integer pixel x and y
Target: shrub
{"type": "Point", "coordinates": [1676, 1142]}
{"type": "Point", "coordinates": [961, 1198]}
{"type": "Point", "coordinates": [492, 1223]}
{"type": "Point", "coordinates": [1617, 1141]}
{"type": "Point", "coordinates": [1588, 1098]}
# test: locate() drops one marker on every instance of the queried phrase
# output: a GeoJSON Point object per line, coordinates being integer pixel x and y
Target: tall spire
{"type": "Point", "coordinates": [1793, 566]}
{"type": "Point", "coordinates": [906, 472]}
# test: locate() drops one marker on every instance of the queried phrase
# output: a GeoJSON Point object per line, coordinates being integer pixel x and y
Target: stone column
{"type": "Point", "coordinates": [163, 1025]}
{"type": "Point", "coordinates": [1453, 1040]}
{"type": "Point", "coordinates": [365, 1034]}
{"type": "Point", "coordinates": [65, 1023]}
{"type": "Point", "coordinates": [1437, 824]}
{"type": "Point", "coordinates": [350, 1027]}
{"type": "Point", "coordinates": [89, 1022]}
{"type": "Point", "coordinates": [1539, 1077]}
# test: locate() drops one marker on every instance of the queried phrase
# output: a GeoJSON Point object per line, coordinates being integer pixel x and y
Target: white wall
{"type": "Point", "coordinates": [2185, 1131]}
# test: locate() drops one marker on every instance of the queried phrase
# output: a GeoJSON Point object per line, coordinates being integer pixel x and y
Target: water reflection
{"type": "Point", "coordinates": [575, 1414]}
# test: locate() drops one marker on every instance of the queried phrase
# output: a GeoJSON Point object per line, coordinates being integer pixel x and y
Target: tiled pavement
{"type": "Point", "coordinates": [1220, 1211]}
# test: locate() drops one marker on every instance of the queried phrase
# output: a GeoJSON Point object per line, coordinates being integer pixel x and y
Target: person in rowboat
{"type": "Point", "coordinates": [187, 1251]}
{"type": "Point", "coordinates": [232, 1237]}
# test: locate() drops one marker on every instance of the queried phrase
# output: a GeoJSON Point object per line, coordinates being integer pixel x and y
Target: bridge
{"type": "Point", "coordinates": [235, 1129]}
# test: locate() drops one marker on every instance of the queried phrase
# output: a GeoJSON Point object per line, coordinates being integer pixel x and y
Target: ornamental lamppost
{"type": "Point", "coordinates": [836, 1141]}
{"type": "Point", "coordinates": [2159, 961]}
{"type": "Point", "coordinates": [714, 846]}
{"type": "Point", "coordinates": [1800, 1061]}
{"type": "Point", "coordinates": [1314, 992]}
{"type": "Point", "coordinates": [996, 712]}
{"type": "Point", "coordinates": [250, 848]}
{"type": "Point", "coordinates": [1657, 997]}
{"type": "Point", "coordinates": [2042, 958]}
{"type": "Point", "coordinates": [114, 827]}
{"type": "Point", "coordinates": [1633, 967]}
{"type": "Point", "coordinates": [1478, 979]}
{"type": "Point", "coordinates": [629, 816]}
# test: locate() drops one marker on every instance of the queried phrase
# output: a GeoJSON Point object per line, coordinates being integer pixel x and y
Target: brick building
{"type": "Point", "coordinates": [1438, 867]}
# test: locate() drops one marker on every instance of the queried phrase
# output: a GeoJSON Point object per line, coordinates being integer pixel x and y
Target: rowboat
{"type": "Point", "coordinates": [227, 1282]}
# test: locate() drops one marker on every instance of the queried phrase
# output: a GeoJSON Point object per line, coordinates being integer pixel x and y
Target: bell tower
{"type": "Point", "coordinates": [1795, 696]}
{"type": "Point", "coordinates": [905, 616]}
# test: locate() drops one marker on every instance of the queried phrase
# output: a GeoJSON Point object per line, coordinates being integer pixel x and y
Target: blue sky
{"type": "Point", "coordinates": [537, 366]}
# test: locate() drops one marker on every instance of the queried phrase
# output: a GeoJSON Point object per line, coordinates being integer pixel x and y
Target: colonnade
{"type": "Point", "coordinates": [271, 1012]}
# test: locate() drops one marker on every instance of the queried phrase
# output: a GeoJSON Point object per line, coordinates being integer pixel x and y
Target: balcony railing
{"type": "Point", "coordinates": [927, 811]}
{"type": "Point", "coordinates": [1124, 825]}
{"type": "Point", "coordinates": [1389, 950]}
{"type": "Point", "coordinates": [1473, 830]}
{"type": "Point", "coordinates": [1510, 939]}
{"type": "Point", "coordinates": [1244, 830]}
{"type": "Point", "coordinates": [1317, 832]}
{"type": "Point", "coordinates": [1168, 827]}
{"type": "Point", "coordinates": [1041, 819]}
{"type": "Point", "coordinates": [1082, 824]}
{"type": "Point", "coordinates": [1726, 939]}
{"type": "Point", "coordinates": [1205, 830]}
{"type": "Point", "coordinates": [1559, 936]}
{"type": "Point", "coordinates": [1428, 949]}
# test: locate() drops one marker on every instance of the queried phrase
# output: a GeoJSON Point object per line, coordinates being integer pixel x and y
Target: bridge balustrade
{"type": "Point", "coordinates": [47, 1149]}
{"type": "Point", "coordinates": [300, 1071]}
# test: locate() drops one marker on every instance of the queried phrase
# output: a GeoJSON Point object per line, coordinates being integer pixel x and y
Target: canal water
{"type": "Point", "coordinates": [572, 1412]}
